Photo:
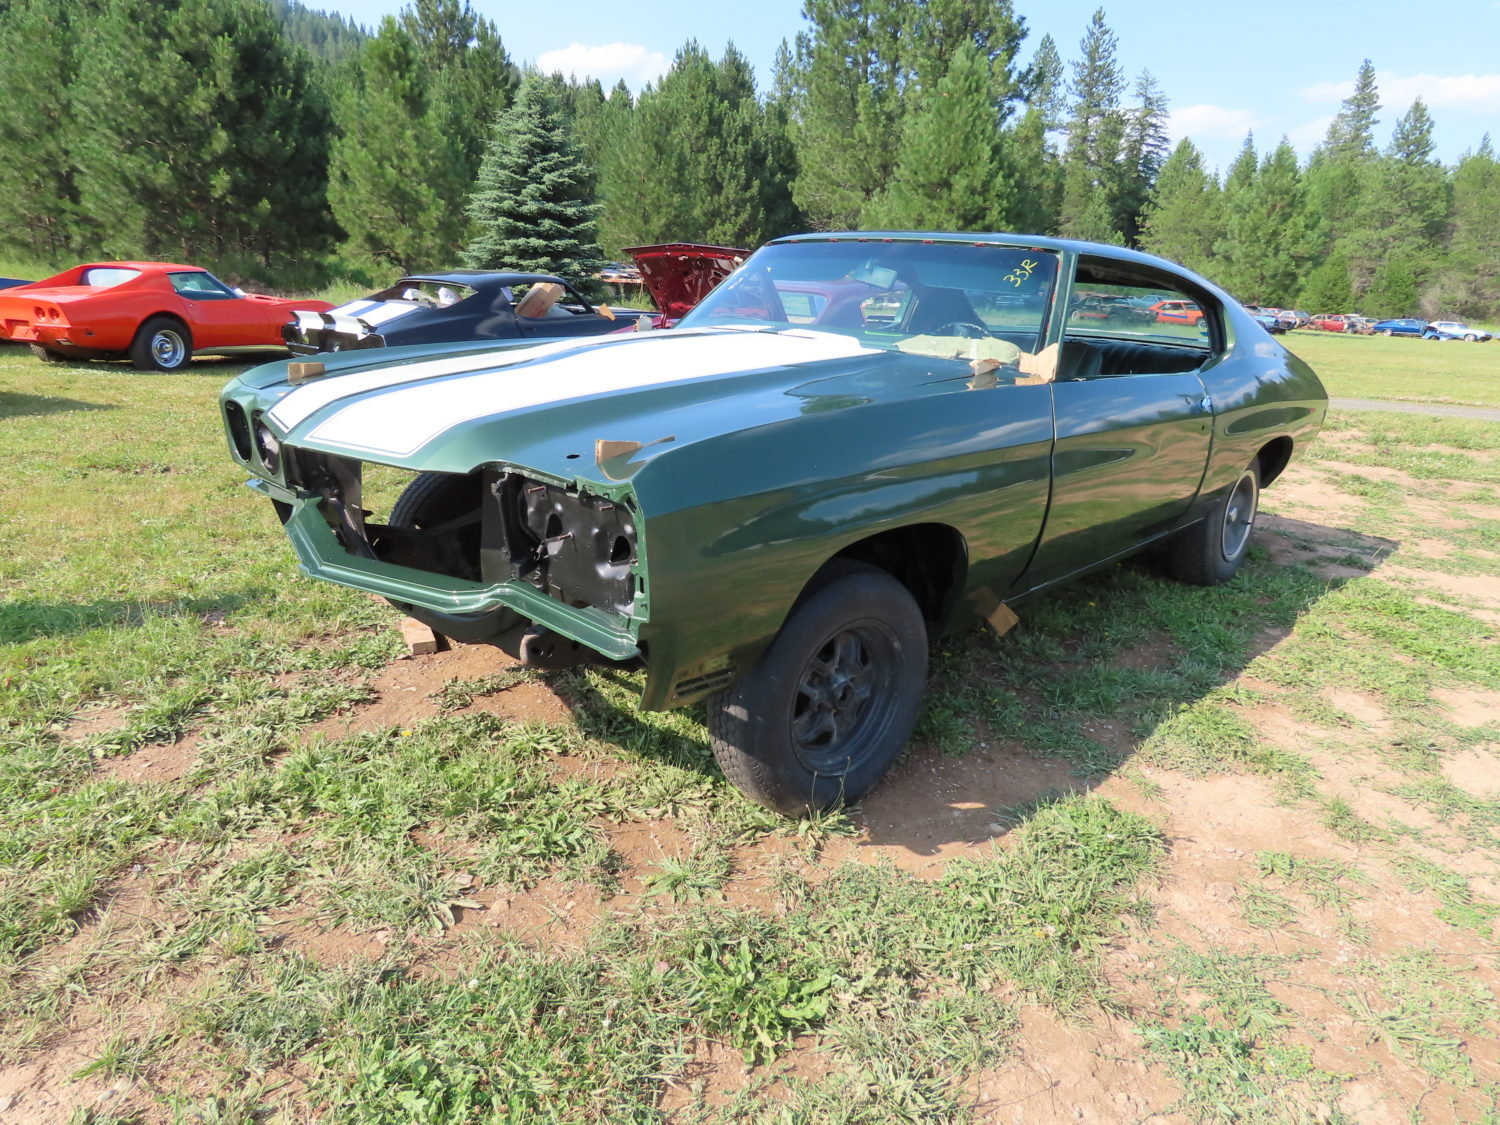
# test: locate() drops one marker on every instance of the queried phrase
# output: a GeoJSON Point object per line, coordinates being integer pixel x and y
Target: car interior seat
{"type": "Point", "coordinates": [540, 300]}
{"type": "Point", "coordinates": [939, 307]}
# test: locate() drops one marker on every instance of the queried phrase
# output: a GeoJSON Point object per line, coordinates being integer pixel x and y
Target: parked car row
{"type": "Point", "coordinates": [1430, 330]}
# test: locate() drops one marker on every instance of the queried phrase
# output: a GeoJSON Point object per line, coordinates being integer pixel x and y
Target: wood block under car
{"type": "Point", "coordinates": [420, 639]}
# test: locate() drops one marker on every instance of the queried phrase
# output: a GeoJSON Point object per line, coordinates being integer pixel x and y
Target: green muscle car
{"type": "Point", "coordinates": [856, 441]}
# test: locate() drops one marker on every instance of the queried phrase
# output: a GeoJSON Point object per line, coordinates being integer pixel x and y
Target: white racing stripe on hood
{"type": "Point", "coordinates": [305, 401]}
{"type": "Point", "coordinates": [401, 422]}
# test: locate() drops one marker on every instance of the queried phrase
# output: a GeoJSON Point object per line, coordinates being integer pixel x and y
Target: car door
{"type": "Point", "coordinates": [217, 316]}
{"type": "Point", "coordinates": [1133, 425]}
{"type": "Point", "coordinates": [570, 316]}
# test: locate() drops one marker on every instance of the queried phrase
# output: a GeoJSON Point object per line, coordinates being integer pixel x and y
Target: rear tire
{"type": "Point", "coordinates": [1209, 552]}
{"type": "Point", "coordinates": [162, 344]}
{"type": "Point", "coordinates": [829, 705]}
{"type": "Point", "coordinates": [47, 355]}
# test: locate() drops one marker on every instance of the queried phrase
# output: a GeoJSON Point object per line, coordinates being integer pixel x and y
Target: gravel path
{"type": "Point", "coordinates": [1487, 413]}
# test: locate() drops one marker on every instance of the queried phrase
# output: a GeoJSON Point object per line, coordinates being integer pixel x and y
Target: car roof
{"type": "Point", "coordinates": [483, 279]}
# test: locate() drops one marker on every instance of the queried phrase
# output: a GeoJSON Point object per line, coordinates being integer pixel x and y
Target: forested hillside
{"type": "Point", "coordinates": [280, 142]}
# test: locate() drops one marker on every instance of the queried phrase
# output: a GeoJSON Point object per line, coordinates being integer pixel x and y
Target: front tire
{"type": "Point", "coordinates": [829, 705]}
{"type": "Point", "coordinates": [162, 344]}
{"type": "Point", "coordinates": [1209, 552]}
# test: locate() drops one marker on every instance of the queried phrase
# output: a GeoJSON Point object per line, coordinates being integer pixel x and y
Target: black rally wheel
{"type": "Point", "coordinates": [829, 705]}
{"type": "Point", "coordinates": [1210, 552]}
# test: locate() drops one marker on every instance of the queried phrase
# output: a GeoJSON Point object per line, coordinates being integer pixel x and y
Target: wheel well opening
{"type": "Point", "coordinates": [173, 317]}
{"type": "Point", "coordinates": [929, 559]}
{"type": "Point", "coordinates": [1274, 457]}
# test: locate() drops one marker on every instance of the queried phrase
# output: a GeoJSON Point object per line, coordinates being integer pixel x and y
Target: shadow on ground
{"type": "Point", "coordinates": [1067, 698]}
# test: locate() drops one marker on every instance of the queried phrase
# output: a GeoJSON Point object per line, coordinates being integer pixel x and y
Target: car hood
{"type": "Point", "coordinates": [547, 406]}
{"type": "Point", "coordinates": [680, 274]}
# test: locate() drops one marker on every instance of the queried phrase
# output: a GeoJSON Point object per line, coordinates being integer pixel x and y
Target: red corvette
{"type": "Point", "coordinates": [155, 313]}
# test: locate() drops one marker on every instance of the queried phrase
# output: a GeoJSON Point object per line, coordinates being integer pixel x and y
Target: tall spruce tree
{"type": "Point", "coordinates": [1092, 176]}
{"type": "Point", "coordinates": [1143, 153]}
{"type": "Point", "coordinates": [851, 72]}
{"type": "Point", "coordinates": [1186, 211]}
{"type": "Point", "coordinates": [1338, 175]}
{"type": "Point", "coordinates": [533, 206]}
{"type": "Point", "coordinates": [1404, 212]}
{"type": "Point", "coordinates": [700, 160]}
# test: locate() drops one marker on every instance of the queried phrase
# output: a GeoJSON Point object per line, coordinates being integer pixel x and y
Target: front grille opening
{"type": "Point", "coordinates": [239, 430]}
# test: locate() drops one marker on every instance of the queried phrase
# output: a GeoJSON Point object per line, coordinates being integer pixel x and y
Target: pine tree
{"type": "Point", "coordinates": [949, 174]}
{"type": "Point", "coordinates": [1265, 242]}
{"type": "Point", "coordinates": [413, 120]}
{"type": "Point", "coordinates": [850, 75]}
{"type": "Point", "coordinates": [1402, 215]}
{"type": "Point", "coordinates": [397, 178]}
{"type": "Point", "coordinates": [1144, 153]}
{"type": "Point", "coordinates": [1470, 283]}
{"type": "Point", "coordinates": [1092, 187]}
{"type": "Point", "coordinates": [1186, 211]}
{"type": "Point", "coordinates": [1327, 288]}
{"type": "Point", "coordinates": [533, 205]}
{"type": "Point", "coordinates": [205, 133]}
{"type": "Point", "coordinates": [701, 160]}
{"type": "Point", "coordinates": [39, 192]}
{"type": "Point", "coordinates": [1338, 174]}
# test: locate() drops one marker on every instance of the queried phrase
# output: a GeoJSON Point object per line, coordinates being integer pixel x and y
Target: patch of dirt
{"type": "Point", "coordinates": [160, 761]}
{"type": "Point", "coordinates": [1070, 1072]}
{"type": "Point", "coordinates": [94, 719]}
{"type": "Point", "coordinates": [932, 809]}
{"type": "Point", "coordinates": [1480, 589]}
{"type": "Point", "coordinates": [404, 693]}
{"type": "Point", "coordinates": [1470, 707]}
{"type": "Point", "coordinates": [1474, 771]}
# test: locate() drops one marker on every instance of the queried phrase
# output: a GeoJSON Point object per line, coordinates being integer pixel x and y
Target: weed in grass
{"type": "Point", "coordinates": [944, 723]}
{"type": "Point", "coordinates": [1265, 909]}
{"type": "Point", "coordinates": [123, 1055]}
{"type": "Point", "coordinates": [753, 997]}
{"type": "Point", "coordinates": [401, 886]}
{"type": "Point", "coordinates": [692, 877]}
{"type": "Point", "coordinates": [1039, 913]}
{"type": "Point", "coordinates": [1423, 1006]}
{"type": "Point", "coordinates": [1228, 1075]}
{"type": "Point", "coordinates": [1340, 818]}
{"type": "Point", "coordinates": [1458, 905]}
{"type": "Point", "coordinates": [456, 694]}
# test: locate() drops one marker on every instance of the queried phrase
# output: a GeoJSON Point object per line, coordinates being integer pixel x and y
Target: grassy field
{"type": "Point", "coordinates": [1396, 368]}
{"type": "Point", "coordinates": [1161, 854]}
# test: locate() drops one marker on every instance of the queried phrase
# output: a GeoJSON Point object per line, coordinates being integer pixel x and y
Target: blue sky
{"type": "Point", "coordinates": [1275, 67]}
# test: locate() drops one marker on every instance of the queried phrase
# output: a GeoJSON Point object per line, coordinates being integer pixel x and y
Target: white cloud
{"type": "Point", "coordinates": [608, 63]}
{"type": "Point", "coordinates": [1210, 121]}
{"type": "Point", "coordinates": [1479, 92]}
{"type": "Point", "coordinates": [1308, 136]}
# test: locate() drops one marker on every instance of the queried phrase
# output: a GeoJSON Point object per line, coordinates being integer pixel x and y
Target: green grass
{"type": "Point", "coordinates": [467, 918]}
{"type": "Point", "coordinates": [1395, 368]}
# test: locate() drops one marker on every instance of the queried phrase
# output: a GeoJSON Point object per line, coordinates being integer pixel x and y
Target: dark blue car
{"type": "Point", "coordinates": [1409, 326]}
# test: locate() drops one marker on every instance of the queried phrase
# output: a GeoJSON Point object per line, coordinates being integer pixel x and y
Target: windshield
{"type": "Point", "coordinates": [947, 299]}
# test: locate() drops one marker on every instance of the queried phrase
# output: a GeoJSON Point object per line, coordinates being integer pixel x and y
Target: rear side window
{"type": "Point", "coordinates": [106, 277]}
{"type": "Point", "coordinates": [1116, 300]}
